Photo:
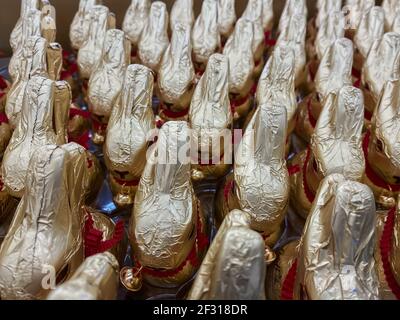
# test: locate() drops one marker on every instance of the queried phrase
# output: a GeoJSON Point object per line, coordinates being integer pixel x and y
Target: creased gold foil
{"type": "Point", "coordinates": [226, 17]}
{"type": "Point", "coordinates": [391, 9]}
{"type": "Point", "coordinates": [182, 12]}
{"type": "Point", "coordinates": [325, 9]}
{"type": "Point", "coordinates": [277, 82]}
{"type": "Point", "coordinates": [371, 29]}
{"type": "Point", "coordinates": [336, 259]}
{"type": "Point", "coordinates": [176, 74]}
{"type": "Point", "coordinates": [210, 116]}
{"type": "Point", "coordinates": [33, 63]}
{"type": "Point", "coordinates": [90, 53]}
{"type": "Point", "coordinates": [30, 28]}
{"type": "Point", "coordinates": [261, 177]}
{"type": "Point", "coordinates": [79, 30]}
{"type": "Point", "coordinates": [95, 279]}
{"type": "Point", "coordinates": [205, 36]}
{"type": "Point", "coordinates": [381, 65]}
{"type": "Point", "coordinates": [154, 39]}
{"type": "Point", "coordinates": [356, 9]}
{"type": "Point", "coordinates": [34, 129]}
{"type": "Point", "coordinates": [238, 50]}
{"type": "Point", "coordinates": [162, 228]}
{"type": "Point", "coordinates": [268, 15]}
{"type": "Point", "coordinates": [292, 7]}
{"type": "Point", "coordinates": [128, 132]}
{"type": "Point", "coordinates": [383, 148]}
{"type": "Point", "coordinates": [234, 267]}
{"type": "Point", "coordinates": [107, 77]}
{"type": "Point", "coordinates": [135, 19]}
{"type": "Point", "coordinates": [45, 236]}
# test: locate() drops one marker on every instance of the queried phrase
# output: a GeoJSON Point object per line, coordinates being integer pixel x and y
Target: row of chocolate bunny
{"type": "Point", "coordinates": [338, 256]}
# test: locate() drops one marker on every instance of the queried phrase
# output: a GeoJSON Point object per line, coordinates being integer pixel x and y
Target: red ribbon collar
{"type": "Point", "coordinates": [173, 114]}
{"type": "Point", "coordinates": [371, 174]}
{"type": "Point", "coordinates": [385, 245]}
{"type": "Point", "coordinates": [287, 290]}
{"type": "Point", "coordinates": [309, 193]}
{"type": "Point", "coordinates": [238, 102]}
{"type": "Point", "coordinates": [3, 118]}
{"type": "Point", "coordinates": [311, 118]}
{"type": "Point", "coordinates": [127, 183]}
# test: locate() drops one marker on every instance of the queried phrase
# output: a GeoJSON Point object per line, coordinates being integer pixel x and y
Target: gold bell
{"type": "Point", "coordinates": [131, 278]}
{"type": "Point", "coordinates": [269, 255]}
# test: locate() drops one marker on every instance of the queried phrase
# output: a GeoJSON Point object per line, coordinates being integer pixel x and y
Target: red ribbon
{"type": "Point", "coordinates": [3, 83]}
{"type": "Point", "coordinates": [238, 102]}
{"type": "Point", "coordinates": [356, 73]}
{"type": "Point", "coordinates": [311, 73]}
{"type": "Point", "coordinates": [311, 118]}
{"type": "Point", "coordinates": [309, 194]}
{"type": "Point", "coordinates": [294, 169]}
{"type": "Point", "coordinates": [385, 245]}
{"type": "Point", "coordinates": [287, 291]}
{"type": "Point", "coordinates": [269, 41]}
{"type": "Point", "coordinates": [3, 118]}
{"type": "Point", "coordinates": [127, 183]}
{"type": "Point", "coordinates": [371, 174]}
{"type": "Point", "coordinates": [367, 114]}
{"type": "Point", "coordinates": [93, 237]}
{"type": "Point", "coordinates": [78, 112]}
{"type": "Point", "coordinates": [228, 188]}
{"type": "Point", "coordinates": [202, 243]}
{"type": "Point", "coordinates": [98, 126]}
{"type": "Point", "coordinates": [173, 114]}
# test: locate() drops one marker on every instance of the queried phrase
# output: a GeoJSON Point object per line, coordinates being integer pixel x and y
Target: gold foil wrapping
{"type": "Point", "coordinates": [154, 39]}
{"type": "Point", "coordinates": [135, 19]}
{"type": "Point", "coordinates": [234, 267]}
{"type": "Point", "coordinates": [226, 17]}
{"type": "Point", "coordinates": [336, 258]}
{"type": "Point", "coordinates": [162, 228]}
{"type": "Point", "coordinates": [391, 9]}
{"type": "Point", "coordinates": [182, 12]}
{"type": "Point", "coordinates": [129, 133]}
{"type": "Point", "coordinates": [210, 118]}
{"type": "Point", "coordinates": [95, 279]}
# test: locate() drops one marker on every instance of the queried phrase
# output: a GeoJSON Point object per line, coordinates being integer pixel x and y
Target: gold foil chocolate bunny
{"type": "Point", "coordinates": [381, 65]}
{"type": "Point", "coordinates": [41, 123]}
{"type": "Point", "coordinates": [355, 10]}
{"type": "Point", "coordinates": [167, 230]}
{"type": "Point", "coordinates": [336, 259]}
{"type": "Point", "coordinates": [125, 154]}
{"type": "Point", "coordinates": [106, 80]}
{"type": "Point", "coordinates": [239, 51]}
{"type": "Point", "coordinates": [176, 76]}
{"type": "Point", "coordinates": [260, 182]}
{"type": "Point", "coordinates": [154, 39]}
{"type": "Point", "coordinates": [135, 20]}
{"type": "Point", "coordinates": [277, 83]}
{"type": "Point", "coordinates": [210, 120]}
{"type": "Point", "coordinates": [97, 278]}
{"type": "Point", "coordinates": [205, 35]}
{"type": "Point", "coordinates": [90, 53]}
{"type": "Point", "coordinates": [381, 148]}
{"type": "Point", "coordinates": [254, 13]}
{"type": "Point", "coordinates": [333, 73]}
{"type": "Point", "coordinates": [371, 29]}
{"type": "Point", "coordinates": [44, 243]}
{"type": "Point", "coordinates": [234, 266]}
{"type": "Point", "coordinates": [226, 18]}
{"type": "Point", "coordinates": [336, 147]}
{"type": "Point", "coordinates": [182, 12]}
{"type": "Point", "coordinates": [79, 30]}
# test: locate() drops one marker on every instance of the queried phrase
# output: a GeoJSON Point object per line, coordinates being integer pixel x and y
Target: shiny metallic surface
{"type": "Point", "coordinates": [182, 12]}
{"type": "Point", "coordinates": [226, 17]}
{"type": "Point", "coordinates": [135, 20]}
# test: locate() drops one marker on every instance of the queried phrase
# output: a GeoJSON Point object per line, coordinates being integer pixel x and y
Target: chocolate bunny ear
{"type": "Point", "coordinates": [182, 12]}
{"type": "Point", "coordinates": [33, 63]}
{"type": "Point", "coordinates": [335, 68]}
{"type": "Point", "coordinates": [396, 24]}
{"type": "Point", "coordinates": [106, 79]}
{"type": "Point", "coordinates": [330, 29]}
{"type": "Point", "coordinates": [176, 74]}
{"type": "Point", "coordinates": [371, 29]}
{"type": "Point", "coordinates": [135, 19]}
{"type": "Point", "coordinates": [30, 28]}
{"type": "Point", "coordinates": [205, 36]}
{"type": "Point", "coordinates": [391, 9]}
{"type": "Point", "coordinates": [339, 239]}
{"type": "Point", "coordinates": [294, 36]}
{"type": "Point", "coordinates": [260, 173]}
{"type": "Point", "coordinates": [382, 63]}
{"type": "Point", "coordinates": [125, 156]}
{"type": "Point", "coordinates": [17, 34]}
{"type": "Point", "coordinates": [325, 9]}
{"type": "Point", "coordinates": [356, 9]}
{"type": "Point", "coordinates": [254, 13]}
{"type": "Point", "coordinates": [292, 7]}
{"type": "Point", "coordinates": [239, 51]}
{"type": "Point", "coordinates": [234, 239]}
{"type": "Point", "coordinates": [95, 279]}
{"type": "Point", "coordinates": [90, 53]}
{"type": "Point", "coordinates": [226, 17]}
{"type": "Point", "coordinates": [79, 30]}
{"type": "Point", "coordinates": [337, 139]}
{"type": "Point", "coordinates": [268, 15]}
{"type": "Point", "coordinates": [154, 39]}
{"type": "Point", "coordinates": [54, 60]}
